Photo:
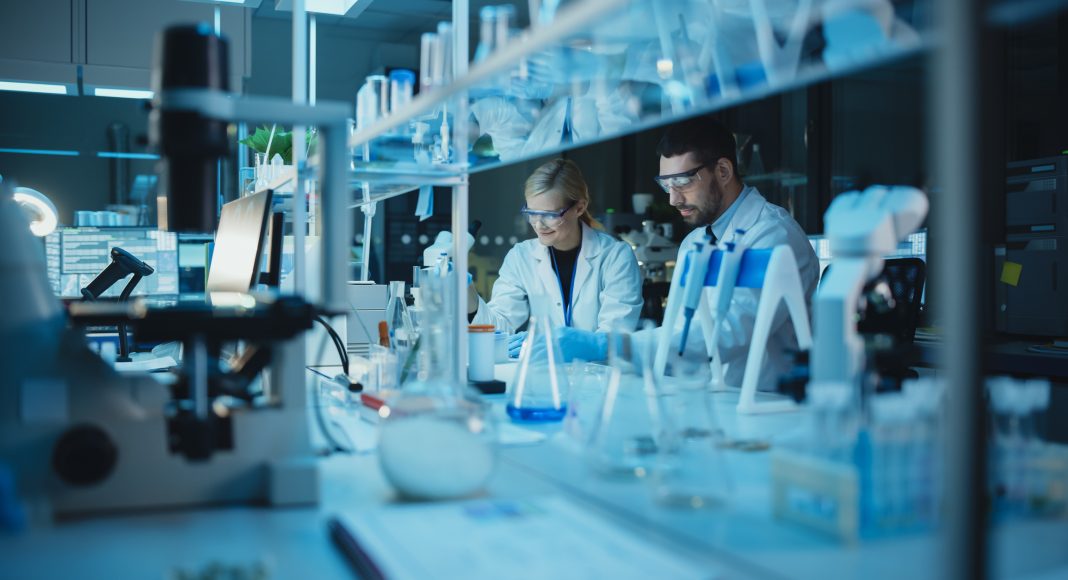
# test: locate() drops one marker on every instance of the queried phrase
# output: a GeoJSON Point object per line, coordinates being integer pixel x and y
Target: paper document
{"type": "Point", "coordinates": [539, 538]}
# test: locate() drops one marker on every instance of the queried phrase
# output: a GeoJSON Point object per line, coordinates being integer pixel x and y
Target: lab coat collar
{"type": "Point", "coordinates": [590, 248]}
{"type": "Point", "coordinates": [742, 214]}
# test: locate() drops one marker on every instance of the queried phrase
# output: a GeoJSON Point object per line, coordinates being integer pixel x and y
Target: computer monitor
{"type": "Point", "coordinates": [235, 262]}
{"type": "Point", "coordinates": [76, 255]}
{"type": "Point", "coordinates": [915, 246]}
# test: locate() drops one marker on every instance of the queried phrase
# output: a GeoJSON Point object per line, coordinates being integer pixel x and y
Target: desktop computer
{"type": "Point", "coordinates": [1031, 268]}
{"type": "Point", "coordinates": [76, 255]}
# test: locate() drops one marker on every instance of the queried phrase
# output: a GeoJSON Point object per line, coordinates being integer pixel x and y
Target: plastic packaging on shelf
{"type": "Point", "coordinates": [861, 475]}
{"type": "Point", "coordinates": [1028, 476]}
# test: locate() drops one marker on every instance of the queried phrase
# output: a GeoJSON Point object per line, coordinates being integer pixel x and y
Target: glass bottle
{"type": "Point", "coordinates": [401, 329]}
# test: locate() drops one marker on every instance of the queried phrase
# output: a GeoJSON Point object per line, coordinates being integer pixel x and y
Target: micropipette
{"type": "Point", "coordinates": [728, 275]}
{"type": "Point", "coordinates": [697, 259]}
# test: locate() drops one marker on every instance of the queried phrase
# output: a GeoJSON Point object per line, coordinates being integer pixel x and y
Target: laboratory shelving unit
{"type": "Point", "coordinates": [602, 69]}
{"type": "Point", "coordinates": [607, 68]}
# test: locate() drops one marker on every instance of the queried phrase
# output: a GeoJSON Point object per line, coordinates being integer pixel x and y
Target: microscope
{"type": "Point", "coordinates": [862, 228]}
{"type": "Point", "coordinates": [81, 438]}
{"type": "Point", "coordinates": [656, 254]}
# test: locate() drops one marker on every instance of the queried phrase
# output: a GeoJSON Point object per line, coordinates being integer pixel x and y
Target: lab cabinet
{"type": "Point", "coordinates": [40, 34]}
{"type": "Point", "coordinates": [120, 38]}
{"type": "Point", "coordinates": [112, 41]}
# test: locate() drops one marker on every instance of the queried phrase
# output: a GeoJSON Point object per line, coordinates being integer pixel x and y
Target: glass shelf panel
{"type": "Point", "coordinates": [607, 68]}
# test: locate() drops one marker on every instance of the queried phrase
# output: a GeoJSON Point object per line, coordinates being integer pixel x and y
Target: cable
{"type": "Point", "coordinates": [338, 343]}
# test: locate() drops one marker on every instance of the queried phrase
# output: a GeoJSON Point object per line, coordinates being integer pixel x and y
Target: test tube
{"type": "Point", "coordinates": [503, 28]}
{"type": "Point", "coordinates": [443, 60]}
{"type": "Point", "coordinates": [487, 22]}
{"type": "Point", "coordinates": [401, 85]}
{"type": "Point", "coordinates": [428, 48]}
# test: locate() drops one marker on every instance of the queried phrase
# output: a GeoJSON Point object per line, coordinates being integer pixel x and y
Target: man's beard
{"type": "Point", "coordinates": [707, 212]}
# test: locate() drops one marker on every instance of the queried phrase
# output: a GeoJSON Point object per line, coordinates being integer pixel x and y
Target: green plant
{"type": "Point", "coordinates": [281, 143]}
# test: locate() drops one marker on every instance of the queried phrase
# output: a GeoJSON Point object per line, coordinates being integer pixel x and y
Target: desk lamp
{"type": "Point", "coordinates": [41, 210]}
{"type": "Point", "coordinates": [122, 264]}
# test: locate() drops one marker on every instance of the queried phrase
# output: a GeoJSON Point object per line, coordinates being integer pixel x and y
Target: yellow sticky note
{"type": "Point", "coordinates": [1010, 273]}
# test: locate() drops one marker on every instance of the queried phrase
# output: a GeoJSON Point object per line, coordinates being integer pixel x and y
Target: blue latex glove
{"type": "Point", "coordinates": [515, 342]}
{"type": "Point", "coordinates": [575, 344]}
{"type": "Point", "coordinates": [582, 344]}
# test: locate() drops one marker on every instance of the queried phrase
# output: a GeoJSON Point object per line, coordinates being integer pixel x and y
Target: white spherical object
{"type": "Point", "coordinates": [499, 240]}
{"type": "Point", "coordinates": [406, 239]}
{"type": "Point", "coordinates": [513, 240]}
{"type": "Point", "coordinates": [484, 240]}
{"type": "Point", "coordinates": [428, 457]}
{"type": "Point", "coordinates": [423, 239]}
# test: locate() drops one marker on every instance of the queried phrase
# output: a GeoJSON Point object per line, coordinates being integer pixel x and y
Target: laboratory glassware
{"type": "Point", "coordinates": [401, 88]}
{"type": "Point", "coordinates": [372, 101]}
{"type": "Point", "coordinates": [690, 470]}
{"type": "Point", "coordinates": [539, 387]}
{"type": "Point", "coordinates": [628, 430]}
{"type": "Point", "coordinates": [436, 436]}
{"type": "Point", "coordinates": [487, 21]}
{"type": "Point", "coordinates": [588, 382]}
{"type": "Point", "coordinates": [402, 333]}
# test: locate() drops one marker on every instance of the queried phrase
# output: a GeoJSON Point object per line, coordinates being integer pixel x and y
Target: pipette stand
{"type": "Point", "coordinates": [775, 271]}
{"type": "Point", "coordinates": [782, 282]}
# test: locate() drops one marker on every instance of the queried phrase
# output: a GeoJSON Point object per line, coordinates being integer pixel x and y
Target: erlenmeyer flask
{"type": "Point", "coordinates": [690, 470]}
{"type": "Point", "coordinates": [628, 433]}
{"type": "Point", "coordinates": [540, 383]}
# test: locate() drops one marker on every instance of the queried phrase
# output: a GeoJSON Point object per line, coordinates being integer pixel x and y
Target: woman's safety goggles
{"type": "Point", "coordinates": [548, 219]}
{"type": "Point", "coordinates": [679, 181]}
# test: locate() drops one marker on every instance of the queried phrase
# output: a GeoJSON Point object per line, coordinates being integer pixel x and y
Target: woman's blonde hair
{"type": "Point", "coordinates": [562, 175]}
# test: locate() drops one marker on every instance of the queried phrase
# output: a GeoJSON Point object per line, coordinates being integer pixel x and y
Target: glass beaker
{"type": "Point", "coordinates": [538, 388]}
{"type": "Point", "coordinates": [588, 382]}
{"type": "Point", "coordinates": [690, 470]}
{"type": "Point", "coordinates": [629, 428]}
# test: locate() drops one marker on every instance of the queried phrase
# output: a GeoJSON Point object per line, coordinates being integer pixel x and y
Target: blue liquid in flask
{"type": "Point", "coordinates": [536, 414]}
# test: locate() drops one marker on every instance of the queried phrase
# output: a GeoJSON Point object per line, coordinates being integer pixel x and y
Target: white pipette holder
{"type": "Point", "coordinates": [776, 273]}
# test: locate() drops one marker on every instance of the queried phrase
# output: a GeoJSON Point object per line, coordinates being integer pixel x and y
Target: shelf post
{"type": "Point", "coordinates": [460, 25]}
{"type": "Point", "coordinates": [955, 94]}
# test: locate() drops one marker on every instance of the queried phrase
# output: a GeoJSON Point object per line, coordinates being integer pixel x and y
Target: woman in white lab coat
{"type": "Point", "coordinates": [585, 277]}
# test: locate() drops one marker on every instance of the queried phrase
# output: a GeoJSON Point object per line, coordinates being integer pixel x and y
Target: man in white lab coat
{"type": "Point", "coordinates": [699, 172]}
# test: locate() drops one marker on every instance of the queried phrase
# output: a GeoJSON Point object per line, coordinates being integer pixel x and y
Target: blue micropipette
{"type": "Point", "coordinates": [697, 259]}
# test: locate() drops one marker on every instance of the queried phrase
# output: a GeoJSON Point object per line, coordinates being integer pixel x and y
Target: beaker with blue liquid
{"type": "Point", "coordinates": [539, 388]}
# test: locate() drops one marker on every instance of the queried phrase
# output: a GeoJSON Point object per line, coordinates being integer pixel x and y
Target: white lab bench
{"type": "Point", "coordinates": [739, 540]}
